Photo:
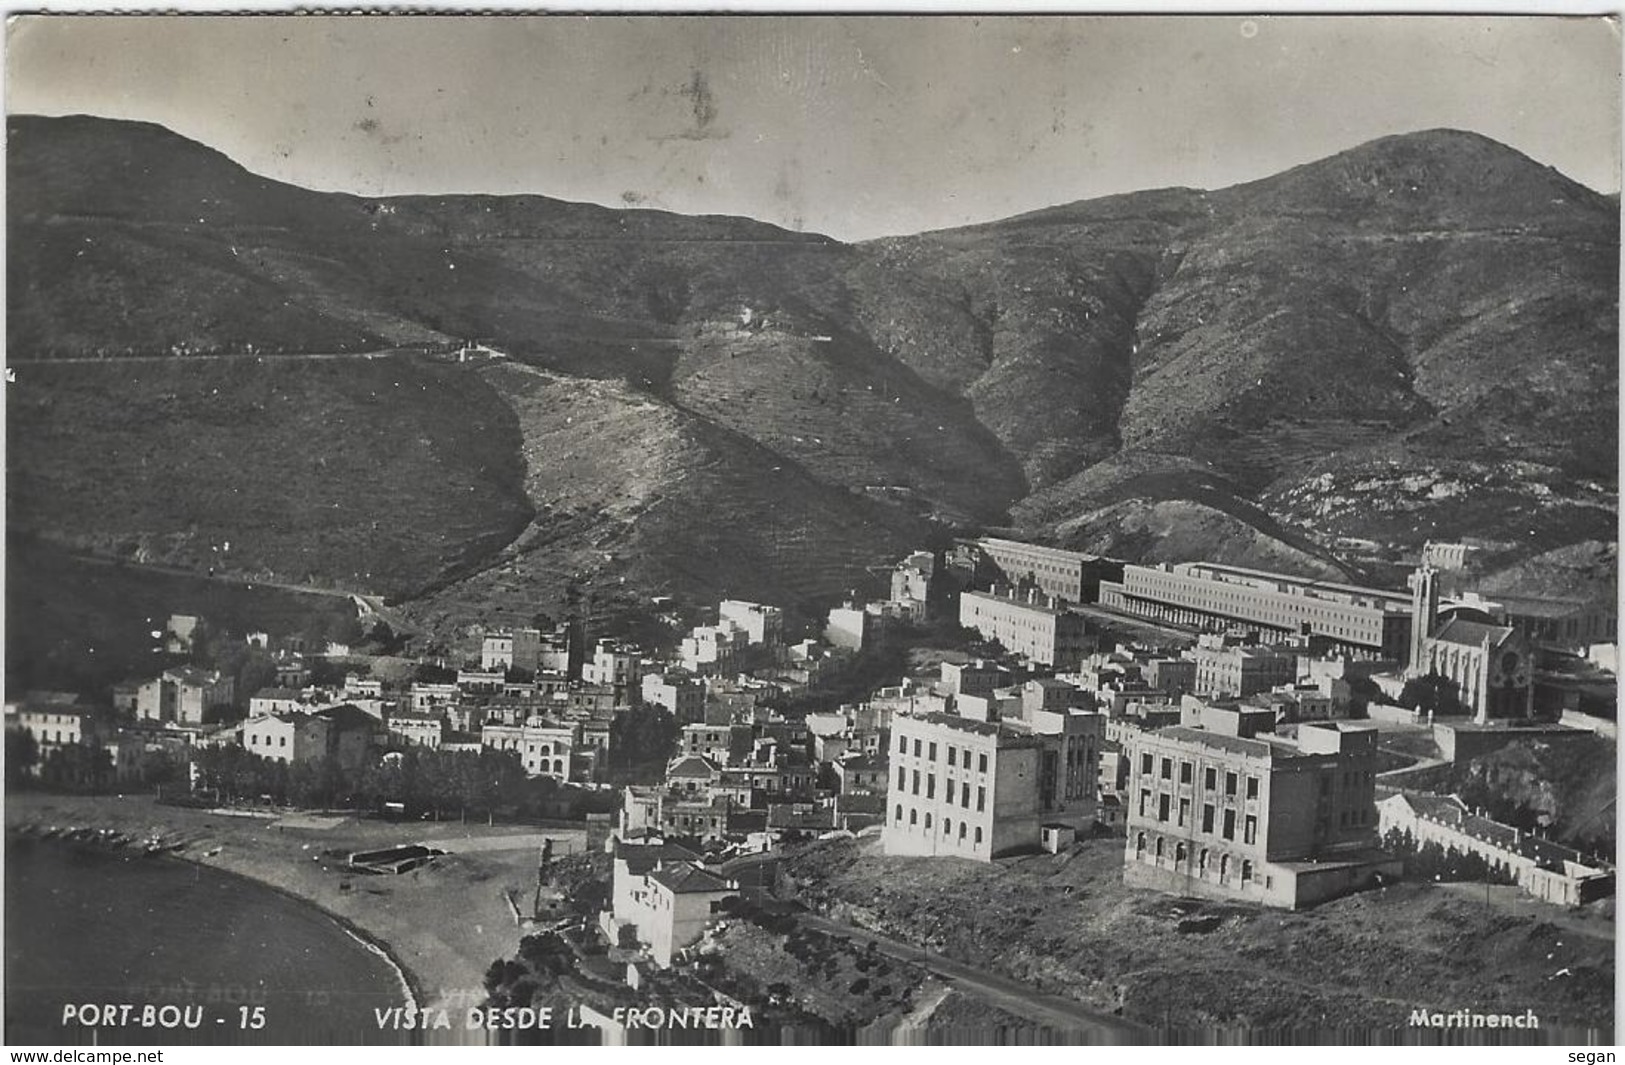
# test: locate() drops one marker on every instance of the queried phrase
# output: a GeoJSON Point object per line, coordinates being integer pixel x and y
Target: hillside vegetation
{"type": "Point", "coordinates": [1414, 339]}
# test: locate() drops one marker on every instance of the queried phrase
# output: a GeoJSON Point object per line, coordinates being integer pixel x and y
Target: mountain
{"type": "Point", "coordinates": [1413, 339]}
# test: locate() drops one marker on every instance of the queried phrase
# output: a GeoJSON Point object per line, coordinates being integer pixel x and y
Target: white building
{"type": "Point", "coordinates": [762, 625]}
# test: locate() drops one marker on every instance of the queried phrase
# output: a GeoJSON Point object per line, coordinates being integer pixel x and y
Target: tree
{"type": "Point", "coordinates": [78, 766]}
{"type": "Point", "coordinates": [642, 735]}
{"type": "Point", "coordinates": [1431, 694]}
{"type": "Point", "coordinates": [22, 755]}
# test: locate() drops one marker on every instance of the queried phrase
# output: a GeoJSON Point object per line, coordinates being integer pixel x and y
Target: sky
{"type": "Point", "coordinates": [854, 126]}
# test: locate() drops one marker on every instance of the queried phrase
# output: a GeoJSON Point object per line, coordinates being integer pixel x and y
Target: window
{"type": "Point", "coordinates": [933, 752]}
{"type": "Point", "coordinates": [1159, 848]}
{"type": "Point", "coordinates": [1210, 778]}
{"type": "Point", "coordinates": [1230, 783]}
{"type": "Point", "coordinates": [916, 748]}
{"type": "Point", "coordinates": [981, 763]}
{"type": "Point", "coordinates": [1145, 800]}
{"type": "Point", "coordinates": [928, 822]}
{"type": "Point", "coordinates": [962, 832]}
{"type": "Point", "coordinates": [964, 796]}
{"type": "Point", "coordinates": [1179, 854]}
{"type": "Point", "coordinates": [1186, 771]}
{"type": "Point", "coordinates": [902, 778]}
{"type": "Point", "coordinates": [1224, 867]}
{"type": "Point", "coordinates": [899, 813]}
{"type": "Point", "coordinates": [902, 745]}
{"type": "Point", "coordinates": [930, 785]}
{"type": "Point", "coordinates": [1249, 832]}
{"type": "Point", "coordinates": [1252, 787]}
{"type": "Point", "coordinates": [1201, 863]}
{"type": "Point", "coordinates": [1246, 870]}
{"type": "Point", "coordinates": [916, 782]}
{"type": "Point", "coordinates": [282, 741]}
{"type": "Point", "coordinates": [1207, 817]}
{"type": "Point", "coordinates": [981, 801]}
{"type": "Point", "coordinates": [1145, 765]}
{"type": "Point", "coordinates": [1162, 807]}
{"type": "Point", "coordinates": [978, 835]}
{"type": "Point", "coordinates": [1230, 824]}
{"type": "Point", "coordinates": [1139, 845]}
{"type": "Point", "coordinates": [913, 816]}
{"type": "Point", "coordinates": [1184, 811]}
{"type": "Point", "coordinates": [953, 753]}
{"type": "Point", "coordinates": [1167, 769]}
{"type": "Point", "coordinates": [947, 827]}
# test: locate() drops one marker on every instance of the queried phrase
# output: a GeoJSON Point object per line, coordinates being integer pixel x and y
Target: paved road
{"type": "Point", "coordinates": [369, 606]}
{"type": "Point", "coordinates": [1068, 1018]}
{"type": "Point", "coordinates": [218, 356]}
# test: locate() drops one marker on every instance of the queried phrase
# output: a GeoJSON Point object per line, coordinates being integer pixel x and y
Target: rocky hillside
{"type": "Point", "coordinates": [1414, 339]}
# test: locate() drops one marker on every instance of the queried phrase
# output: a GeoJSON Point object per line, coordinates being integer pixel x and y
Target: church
{"type": "Point", "coordinates": [1490, 664]}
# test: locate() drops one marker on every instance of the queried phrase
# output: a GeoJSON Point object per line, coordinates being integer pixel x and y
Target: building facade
{"type": "Point", "coordinates": [544, 749]}
{"type": "Point", "coordinates": [1365, 622]}
{"type": "Point", "coordinates": [762, 625]}
{"type": "Point", "coordinates": [1034, 629]}
{"type": "Point", "coordinates": [972, 789]}
{"type": "Point", "coordinates": [960, 788]}
{"type": "Point", "coordinates": [1068, 575]}
{"type": "Point", "coordinates": [1240, 671]}
{"type": "Point", "coordinates": [1263, 820]}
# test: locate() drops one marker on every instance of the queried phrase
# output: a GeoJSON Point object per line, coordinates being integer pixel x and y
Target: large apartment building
{"type": "Point", "coordinates": [1259, 818]}
{"type": "Point", "coordinates": [1365, 622]}
{"type": "Point", "coordinates": [1069, 575]}
{"type": "Point", "coordinates": [975, 789]}
{"type": "Point", "coordinates": [1037, 629]}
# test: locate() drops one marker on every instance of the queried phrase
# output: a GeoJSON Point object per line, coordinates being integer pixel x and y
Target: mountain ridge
{"type": "Point", "coordinates": [1371, 343]}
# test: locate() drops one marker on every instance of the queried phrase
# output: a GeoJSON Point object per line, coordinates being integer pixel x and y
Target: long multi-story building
{"type": "Point", "coordinates": [53, 719]}
{"type": "Point", "coordinates": [1039, 630]}
{"type": "Point", "coordinates": [1069, 575]}
{"type": "Point", "coordinates": [1253, 817]}
{"type": "Point", "coordinates": [1368, 622]}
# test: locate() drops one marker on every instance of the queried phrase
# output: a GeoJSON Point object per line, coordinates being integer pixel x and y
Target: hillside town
{"type": "Point", "coordinates": [1246, 736]}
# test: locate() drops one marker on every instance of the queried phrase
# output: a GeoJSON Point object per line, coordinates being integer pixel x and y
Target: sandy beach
{"type": "Point", "coordinates": [443, 924]}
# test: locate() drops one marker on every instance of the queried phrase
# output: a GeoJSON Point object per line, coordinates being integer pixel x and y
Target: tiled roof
{"type": "Point", "coordinates": [1448, 810]}
{"type": "Point", "coordinates": [692, 766]}
{"type": "Point", "coordinates": [686, 879]}
{"type": "Point", "coordinates": [792, 815]}
{"type": "Point", "coordinates": [640, 858]}
{"type": "Point", "coordinates": [1471, 633]}
{"type": "Point", "coordinates": [1216, 740]}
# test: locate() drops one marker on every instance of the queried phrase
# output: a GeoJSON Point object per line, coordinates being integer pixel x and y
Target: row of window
{"type": "Point", "coordinates": [947, 791]}
{"type": "Point", "coordinates": [947, 824]}
{"type": "Point", "coordinates": [1187, 771]}
{"type": "Point", "coordinates": [254, 740]}
{"type": "Point", "coordinates": [1203, 863]}
{"type": "Point", "coordinates": [1181, 816]}
{"type": "Point", "coordinates": [954, 754]}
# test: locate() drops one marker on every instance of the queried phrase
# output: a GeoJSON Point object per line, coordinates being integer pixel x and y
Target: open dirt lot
{"type": "Point", "coordinates": [1066, 925]}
